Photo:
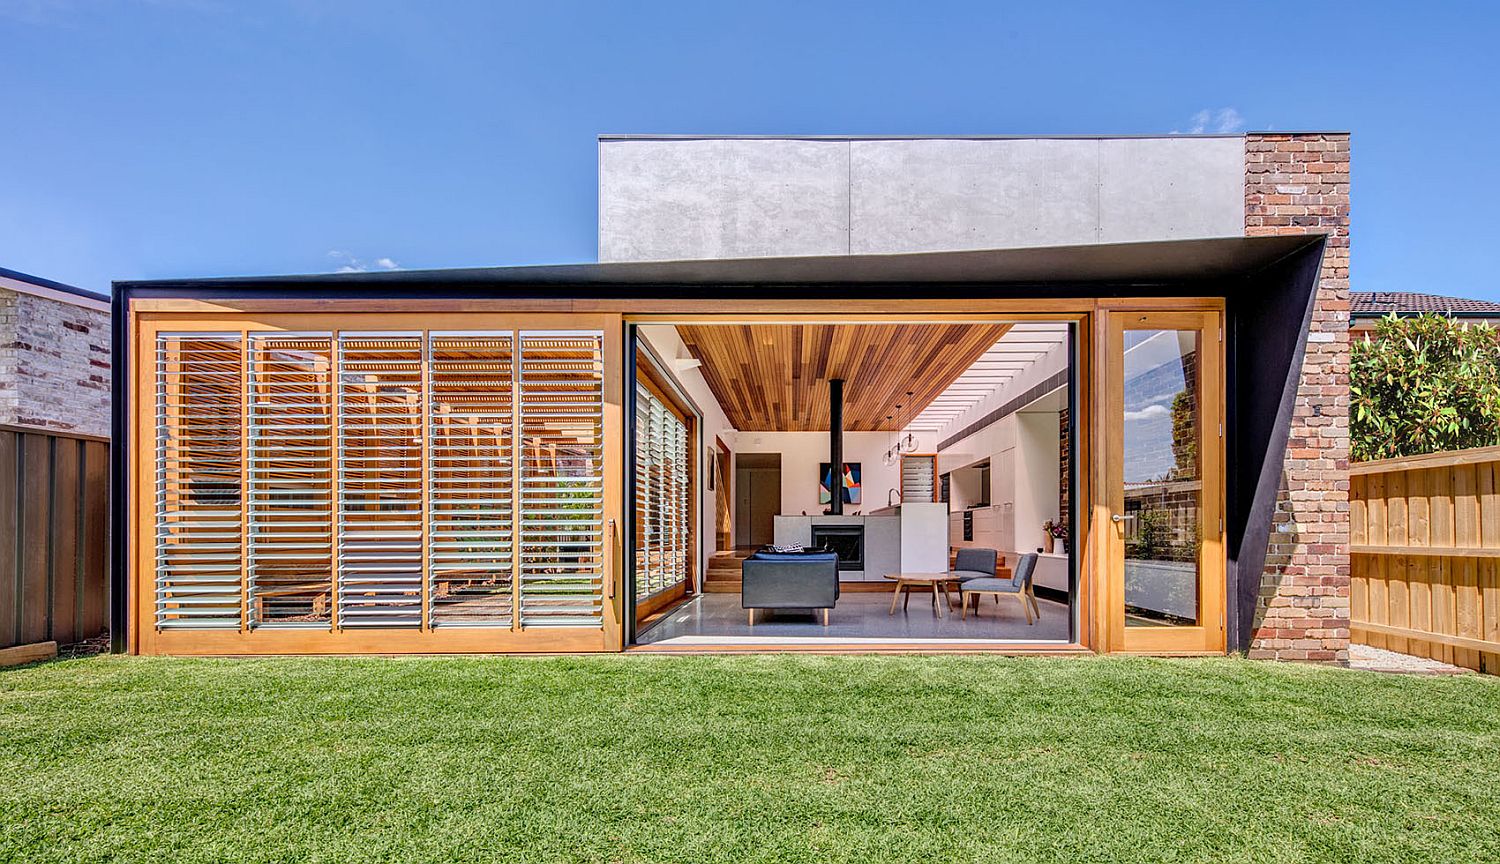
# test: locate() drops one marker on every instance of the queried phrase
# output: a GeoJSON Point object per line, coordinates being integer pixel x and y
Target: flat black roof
{"type": "Point", "coordinates": [55, 286]}
{"type": "Point", "coordinates": [1151, 263]}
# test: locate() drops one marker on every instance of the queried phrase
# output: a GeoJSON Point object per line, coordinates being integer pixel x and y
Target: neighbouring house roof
{"type": "Point", "coordinates": [39, 287]}
{"type": "Point", "coordinates": [1378, 304]}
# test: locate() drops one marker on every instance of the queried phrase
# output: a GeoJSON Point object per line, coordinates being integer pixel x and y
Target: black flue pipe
{"type": "Point", "coordinates": [836, 445]}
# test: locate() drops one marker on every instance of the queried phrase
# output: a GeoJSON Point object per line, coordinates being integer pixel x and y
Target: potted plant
{"type": "Point", "coordinates": [1053, 531]}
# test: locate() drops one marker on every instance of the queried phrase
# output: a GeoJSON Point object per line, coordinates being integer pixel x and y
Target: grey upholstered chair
{"type": "Point", "coordinates": [974, 563]}
{"type": "Point", "coordinates": [1017, 586]}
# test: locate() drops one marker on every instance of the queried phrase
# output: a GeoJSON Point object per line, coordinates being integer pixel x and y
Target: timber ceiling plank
{"type": "Point", "coordinates": [774, 377]}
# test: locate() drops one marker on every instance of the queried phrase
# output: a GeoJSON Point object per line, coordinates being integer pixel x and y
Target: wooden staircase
{"type": "Point", "coordinates": [722, 576]}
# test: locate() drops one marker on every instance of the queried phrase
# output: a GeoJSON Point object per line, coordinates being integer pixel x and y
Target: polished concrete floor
{"type": "Point", "coordinates": [717, 619]}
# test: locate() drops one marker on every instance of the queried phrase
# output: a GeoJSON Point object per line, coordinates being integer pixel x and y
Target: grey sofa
{"type": "Point", "coordinates": [790, 580]}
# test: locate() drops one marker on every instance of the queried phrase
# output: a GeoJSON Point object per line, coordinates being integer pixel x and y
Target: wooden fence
{"type": "Point", "coordinates": [1425, 556]}
{"type": "Point", "coordinates": [54, 541]}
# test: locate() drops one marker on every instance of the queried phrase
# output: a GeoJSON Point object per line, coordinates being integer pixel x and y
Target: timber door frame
{"type": "Point", "coordinates": [146, 638]}
{"type": "Point", "coordinates": [1086, 627]}
{"type": "Point", "coordinates": [1208, 636]}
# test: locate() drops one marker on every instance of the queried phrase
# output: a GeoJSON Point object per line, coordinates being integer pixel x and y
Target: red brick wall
{"type": "Point", "coordinates": [1299, 184]}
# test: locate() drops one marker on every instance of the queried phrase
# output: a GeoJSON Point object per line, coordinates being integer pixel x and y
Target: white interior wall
{"type": "Point", "coordinates": [1037, 488]}
{"type": "Point", "coordinates": [802, 453]}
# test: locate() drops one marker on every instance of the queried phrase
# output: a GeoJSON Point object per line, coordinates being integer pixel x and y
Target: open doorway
{"type": "Point", "coordinates": [757, 489]}
{"type": "Point", "coordinates": [842, 438]}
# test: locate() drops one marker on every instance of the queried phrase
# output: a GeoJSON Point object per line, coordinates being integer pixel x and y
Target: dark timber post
{"type": "Point", "coordinates": [836, 445]}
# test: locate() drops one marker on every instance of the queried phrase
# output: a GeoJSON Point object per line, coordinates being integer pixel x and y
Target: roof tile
{"type": "Point", "coordinates": [1370, 304]}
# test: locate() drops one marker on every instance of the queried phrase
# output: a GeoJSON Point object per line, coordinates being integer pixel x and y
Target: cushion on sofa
{"type": "Point", "coordinates": [809, 555]}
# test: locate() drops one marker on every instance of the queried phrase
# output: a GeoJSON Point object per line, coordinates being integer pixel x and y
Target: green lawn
{"type": "Point", "coordinates": [737, 759]}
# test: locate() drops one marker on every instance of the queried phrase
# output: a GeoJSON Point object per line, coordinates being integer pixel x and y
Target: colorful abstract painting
{"type": "Point", "coordinates": [849, 483]}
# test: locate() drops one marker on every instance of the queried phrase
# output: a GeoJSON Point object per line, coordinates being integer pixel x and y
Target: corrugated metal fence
{"type": "Point", "coordinates": [54, 541]}
{"type": "Point", "coordinates": [1425, 556]}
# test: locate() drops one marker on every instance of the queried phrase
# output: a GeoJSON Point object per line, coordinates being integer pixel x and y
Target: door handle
{"type": "Point", "coordinates": [609, 566]}
{"type": "Point", "coordinates": [1118, 518]}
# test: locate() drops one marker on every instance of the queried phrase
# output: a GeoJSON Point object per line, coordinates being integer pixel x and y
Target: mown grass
{"type": "Point", "coordinates": [659, 759]}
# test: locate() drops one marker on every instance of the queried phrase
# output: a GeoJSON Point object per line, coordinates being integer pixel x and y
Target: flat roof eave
{"type": "Point", "coordinates": [1144, 263]}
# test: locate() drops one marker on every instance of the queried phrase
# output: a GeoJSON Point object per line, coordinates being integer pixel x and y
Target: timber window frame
{"type": "Point", "coordinates": [366, 466]}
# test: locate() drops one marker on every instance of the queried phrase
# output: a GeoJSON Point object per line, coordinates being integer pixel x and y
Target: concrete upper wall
{"type": "Point", "coordinates": [740, 198]}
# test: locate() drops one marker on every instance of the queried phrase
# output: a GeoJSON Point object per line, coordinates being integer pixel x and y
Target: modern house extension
{"type": "Point", "coordinates": [1086, 431]}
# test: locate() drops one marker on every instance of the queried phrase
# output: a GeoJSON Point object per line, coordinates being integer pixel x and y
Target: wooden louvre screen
{"type": "Point", "coordinates": [380, 474]}
{"type": "Point", "coordinates": [290, 480]}
{"type": "Point", "coordinates": [562, 478]}
{"type": "Point", "coordinates": [366, 480]}
{"type": "Point", "coordinates": [199, 517]}
{"type": "Point", "coordinates": [662, 497]}
{"type": "Point", "coordinates": [471, 463]}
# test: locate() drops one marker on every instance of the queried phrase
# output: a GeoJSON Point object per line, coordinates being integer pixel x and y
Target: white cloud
{"type": "Point", "coordinates": [1150, 412]}
{"type": "Point", "coordinates": [1220, 121]}
{"type": "Point", "coordinates": [348, 263]}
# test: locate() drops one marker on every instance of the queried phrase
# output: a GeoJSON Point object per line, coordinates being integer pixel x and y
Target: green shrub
{"type": "Point", "coordinates": [1423, 385]}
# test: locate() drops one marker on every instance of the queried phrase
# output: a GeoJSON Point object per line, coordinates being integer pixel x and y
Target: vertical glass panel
{"type": "Point", "coordinates": [1162, 477]}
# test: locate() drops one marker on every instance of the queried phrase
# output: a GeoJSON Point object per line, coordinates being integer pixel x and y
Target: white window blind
{"type": "Point", "coordinates": [918, 478]}
{"type": "Point", "coordinates": [662, 496]}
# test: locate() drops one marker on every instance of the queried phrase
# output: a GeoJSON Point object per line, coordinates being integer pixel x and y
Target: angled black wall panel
{"type": "Point", "coordinates": [1268, 319]}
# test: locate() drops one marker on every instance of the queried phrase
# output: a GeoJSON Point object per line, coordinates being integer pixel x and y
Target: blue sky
{"type": "Point", "coordinates": [207, 137]}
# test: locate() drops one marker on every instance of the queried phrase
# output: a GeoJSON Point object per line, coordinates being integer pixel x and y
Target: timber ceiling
{"type": "Point", "coordinates": [774, 377]}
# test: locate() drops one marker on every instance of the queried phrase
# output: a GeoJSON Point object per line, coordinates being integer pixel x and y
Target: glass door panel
{"type": "Point", "coordinates": [1165, 481]}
